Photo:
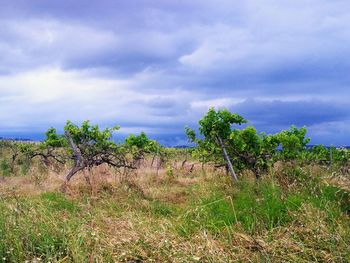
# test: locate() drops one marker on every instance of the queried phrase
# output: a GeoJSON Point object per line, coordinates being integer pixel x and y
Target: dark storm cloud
{"type": "Point", "coordinates": [286, 113]}
{"type": "Point", "coordinates": [159, 65]}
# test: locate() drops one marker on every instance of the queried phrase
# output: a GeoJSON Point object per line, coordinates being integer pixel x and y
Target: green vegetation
{"type": "Point", "coordinates": [243, 149]}
{"type": "Point", "coordinates": [258, 220]}
{"type": "Point", "coordinates": [139, 202]}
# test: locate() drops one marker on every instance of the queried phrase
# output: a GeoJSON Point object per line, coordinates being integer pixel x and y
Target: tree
{"type": "Point", "coordinates": [215, 126]}
{"type": "Point", "coordinates": [139, 145]}
{"type": "Point", "coordinates": [244, 148]}
{"type": "Point", "coordinates": [47, 150]}
{"type": "Point", "coordinates": [293, 142]}
{"type": "Point", "coordinates": [250, 150]}
{"type": "Point", "coordinates": [91, 147]}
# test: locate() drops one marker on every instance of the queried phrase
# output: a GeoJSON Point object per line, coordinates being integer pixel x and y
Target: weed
{"type": "Point", "coordinates": [58, 202]}
{"type": "Point", "coordinates": [161, 209]}
{"type": "Point", "coordinates": [5, 168]}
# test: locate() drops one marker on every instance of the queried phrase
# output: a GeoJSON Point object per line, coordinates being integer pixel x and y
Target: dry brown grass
{"type": "Point", "coordinates": [120, 224]}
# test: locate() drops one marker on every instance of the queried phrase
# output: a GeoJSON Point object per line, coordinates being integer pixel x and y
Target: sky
{"type": "Point", "coordinates": [156, 65]}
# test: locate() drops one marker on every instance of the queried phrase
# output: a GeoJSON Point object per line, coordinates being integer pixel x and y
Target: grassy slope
{"type": "Point", "coordinates": [291, 215]}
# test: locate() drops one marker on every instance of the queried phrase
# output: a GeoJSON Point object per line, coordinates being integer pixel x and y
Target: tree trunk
{"type": "Point", "coordinates": [77, 159]}
{"type": "Point", "coordinates": [227, 159]}
{"type": "Point", "coordinates": [154, 157]}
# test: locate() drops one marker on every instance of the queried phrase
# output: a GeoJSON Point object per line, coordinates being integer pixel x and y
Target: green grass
{"type": "Point", "coordinates": [55, 201]}
{"type": "Point", "coordinates": [262, 206]}
{"type": "Point", "coordinates": [255, 207]}
{"type": "Point", "coordinates": [159, 208]}
{"type": "Point", "coordinates": [35, 228]}
{"type": "Point", "coordinates": [120, 224]}
{"type": "Point", "coordinates": [5, 168]}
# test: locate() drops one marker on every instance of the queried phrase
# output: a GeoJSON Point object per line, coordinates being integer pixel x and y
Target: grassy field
{"type": "Point", "coordinates": [292, 214]}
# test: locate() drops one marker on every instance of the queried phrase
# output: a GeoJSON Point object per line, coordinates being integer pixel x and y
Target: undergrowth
{"type": "Point", "coordinates": [292, 216]}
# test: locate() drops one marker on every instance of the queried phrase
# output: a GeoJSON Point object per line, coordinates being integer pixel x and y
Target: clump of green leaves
{"type": "Point", "coordinates": [292, 141]}
{"type": "Point", "coordinates": [140, 145]}
{"type": "Point", "coordinates": [245, 148]}
{"type": "Point", "coordinates": [215, 126]}
{"type": "Point", "coordinates": [250, 150]}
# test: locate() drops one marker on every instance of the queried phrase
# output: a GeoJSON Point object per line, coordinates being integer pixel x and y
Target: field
{"type": "Point", "coordinates": [177, 212]}
{"type": "Point", "coordinates": [237, 196]}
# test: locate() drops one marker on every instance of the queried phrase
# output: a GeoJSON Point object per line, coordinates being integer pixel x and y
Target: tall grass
{"type": "Point", "coordinates": [253, 206]}
{"type": "Point", "coordinates": [5, 169]}
{"type": "Point", "coordinates": [309, 215]}
{"type": "Point", "coordinates": [46, 228]}
{"type": "Point", "coordinates": [263, 205]}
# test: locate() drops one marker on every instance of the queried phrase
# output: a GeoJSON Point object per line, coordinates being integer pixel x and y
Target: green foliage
{"type": "Point", "coordinates": [206, 151]}
{"type": "Point", "coordinates": [139, 145]}
{"type": "Point", "coordinates": [93, 142]}
{"type": "Point", "coordinates": [249, 150]}
{"type": "Point", "coordinates": [245, 147]}
{"type": "Point", "coordinates": [218, 124]}
{"type": "Point", "coordinates": [340, 156]}
{"type": "Point", "coordinates": [293, 142]}
{"type": "Point", "coordinates": [320, 153]}
{"type": "Point", "coordinates": [95, 146]}
{"type": "Point", "coordinates": [215, 126]}
{"type": "Point", "coordinates": [27, 149]}
{"type": "Point", "coordinates": [89, 138]}
{"type": "Point", "coordinates": [48, 150]}
{"type": "Point", "coordinates": [142, 142]}
{"type": "Point", "coordinates": [53, 139]}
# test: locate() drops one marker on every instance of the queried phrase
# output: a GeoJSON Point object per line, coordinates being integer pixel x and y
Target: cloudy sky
{"type": "Point", "coordinates": [159, 65]}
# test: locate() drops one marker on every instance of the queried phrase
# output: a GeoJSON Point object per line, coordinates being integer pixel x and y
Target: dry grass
{"type": "Point", "coordinates": [162, 216]}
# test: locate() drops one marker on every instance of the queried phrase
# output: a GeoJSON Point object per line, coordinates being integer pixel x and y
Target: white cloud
{"type": "Point", "coordinates": [50, 96]}
{"type": "Point", "coordinates": [55, 95]}
{"type": "Point", "coordinates": [216, 103]}
{"type": "Point", "coordinates": [42, 42]}
{"type": "Point", "coordinates": [270, 35]}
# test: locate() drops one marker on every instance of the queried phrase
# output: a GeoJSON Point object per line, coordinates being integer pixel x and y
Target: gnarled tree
{"type": "Point", "coordinates": [91, 147]}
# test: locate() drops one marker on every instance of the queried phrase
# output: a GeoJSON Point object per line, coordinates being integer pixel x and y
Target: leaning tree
{"type": "Point", "coordinates": [244, 148]}
{"type": "Point", "coordinates": [215, 127]}
{"type": "Point", "coordinates": [90, 147]}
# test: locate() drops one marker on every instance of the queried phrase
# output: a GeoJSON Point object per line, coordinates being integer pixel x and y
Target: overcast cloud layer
{"type": "Point", "coordinates": [159, 65]}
